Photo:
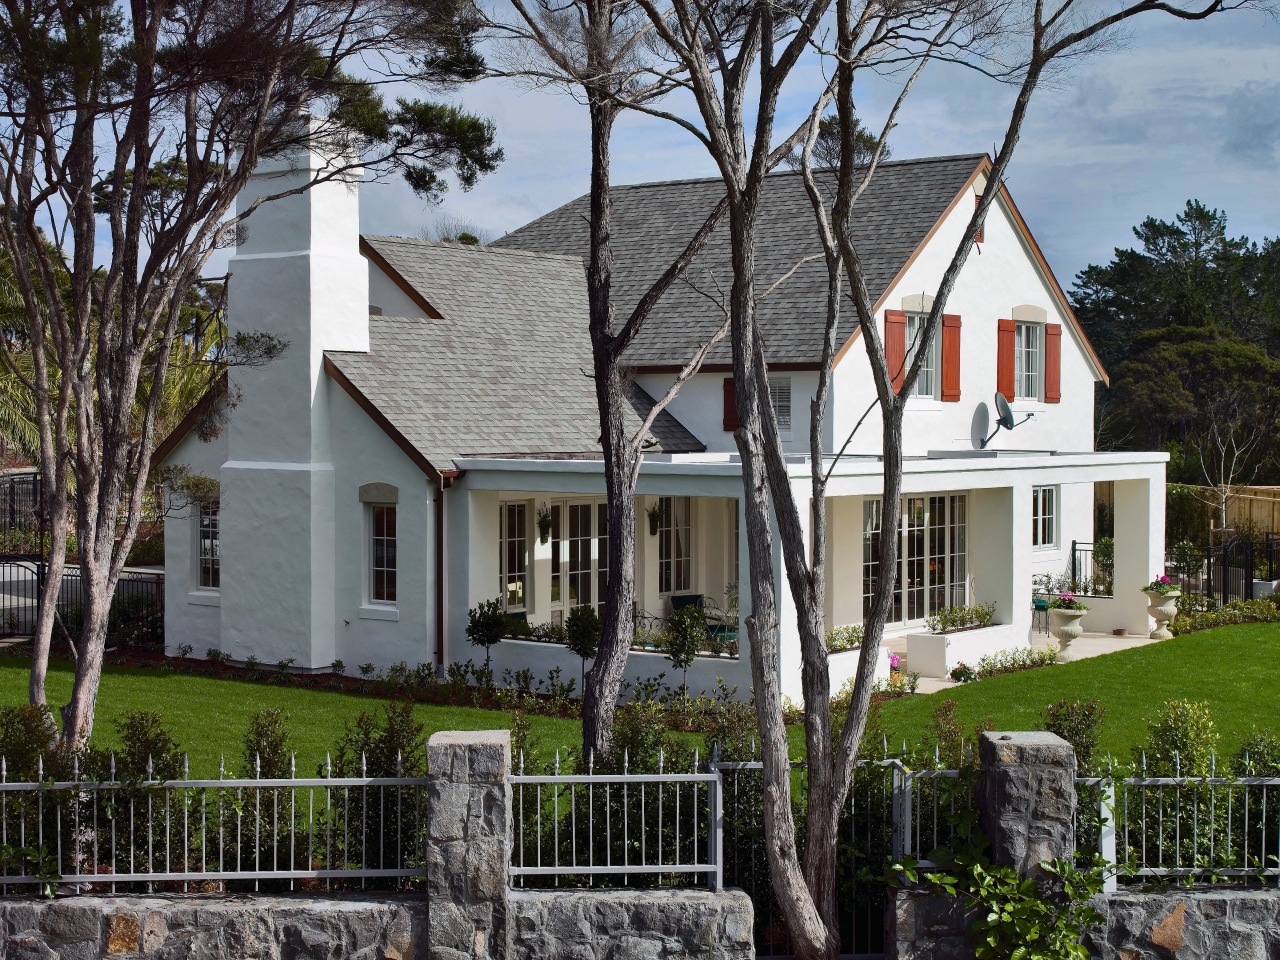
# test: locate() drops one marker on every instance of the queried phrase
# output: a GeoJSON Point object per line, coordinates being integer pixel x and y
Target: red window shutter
{"type": "Point", "coordinates": [1004, 359]}
{"type": "Point", "coordinates": [1053, 363]}
{"type": "Point", "coordinates": [730, 406]}
{"type": "Point", "coordinates": [895, 346]}
{"type": "Point", "coordinates": [950, 358]}
{"type": "Point", "coordinates": [977, 202]}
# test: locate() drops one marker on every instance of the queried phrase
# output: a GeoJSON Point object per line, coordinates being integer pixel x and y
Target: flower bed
{"type": "Point", "coordinates": [936, 654]}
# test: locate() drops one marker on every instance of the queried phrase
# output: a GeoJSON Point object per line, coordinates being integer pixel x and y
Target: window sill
{"type": "Point", "coordinates": [205, 598]}
{"type": "Point", "coordinates": [379, 612]}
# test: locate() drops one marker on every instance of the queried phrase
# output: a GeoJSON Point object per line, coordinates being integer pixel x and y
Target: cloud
{"type": "Point", "coordinates": [1251, 124]}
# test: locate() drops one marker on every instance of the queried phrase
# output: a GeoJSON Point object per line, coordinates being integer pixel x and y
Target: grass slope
{"type": "Point", "coordinates": [1235, 669]}
{"type": "Point", "coordinates": [208, 717]}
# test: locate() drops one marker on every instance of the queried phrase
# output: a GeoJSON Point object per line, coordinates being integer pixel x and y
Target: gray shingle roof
{"type": "Point", "coordinates": [652, 222]}
{"type": "Point", "coordinates": [505, 372]}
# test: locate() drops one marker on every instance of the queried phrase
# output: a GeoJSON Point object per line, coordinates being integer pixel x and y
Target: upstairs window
{"type": "Point", "coordinates": [1026, 361]}
{"type": "Point", "coordinates": [780, 397]}
{"type": "Point", "coordinates": [210, 547]}
{"type": "Point", "coordinates": [926, 385]}
{"type": "Point", "coordinates": [382, 553]}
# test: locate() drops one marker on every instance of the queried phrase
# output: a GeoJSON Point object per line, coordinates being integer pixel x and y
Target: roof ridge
{"type": "Point", "coordinates": [975, 157]}
{"type": "Point", "coordinates": [471, 248]}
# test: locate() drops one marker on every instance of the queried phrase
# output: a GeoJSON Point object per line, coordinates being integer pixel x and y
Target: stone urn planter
{"type": "Point", "coordinates": [1064, 626]}
{"type": "Point", "coordinates": [1162, 608]}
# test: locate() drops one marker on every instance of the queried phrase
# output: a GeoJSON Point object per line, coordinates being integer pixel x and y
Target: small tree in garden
{"type": "Point", "coordinates": [582, 630]}
{"type": "Point", "coordinates": [486, 625]}
{"type": "Point", "coordinates": [686, 635]}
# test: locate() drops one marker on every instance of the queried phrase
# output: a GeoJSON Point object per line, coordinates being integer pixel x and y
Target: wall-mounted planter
{"type": "Point", "coordinates": [844, 665]}
{"type": "Point", "coordinates": [937, 654]}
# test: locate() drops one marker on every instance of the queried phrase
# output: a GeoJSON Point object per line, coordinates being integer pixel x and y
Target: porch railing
{"type": "Point", "coordinates": [1092, 570]}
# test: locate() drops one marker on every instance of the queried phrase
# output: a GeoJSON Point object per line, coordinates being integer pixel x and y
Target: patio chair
{"type": "Point", "coordinates": [1040, 614]}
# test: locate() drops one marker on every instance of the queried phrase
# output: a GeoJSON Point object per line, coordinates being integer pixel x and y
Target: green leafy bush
{"type": "Point", "coordinates": [387, 745]}
{"type": "Point", "coordinates": [549, 632]}
{"type": "Point", "coordinates": [146, 740]}
{"type": "Point", "coordinates": [1190, 603]}
{"type": "Point", "coordinates": [1079, 722]}
{"type": "Point", "coordinates": [1181, 741]}
{"type": "Point", "coordinates": [486, 625]}
{"type": "Point", "coordinates": [840, 639]}
{"type": "Point", "coordinates": [949, 619]}
{"type": "Point", "coordinates": [582, 630]}
{"type": "Point", "coordinates": [1187, 558]}
{"type": "Point", "coordinates": [1237, 611]}
{"type": "Point", "coordinates": [266, 745]}
{"type": "Point", "coordinates": [1258, 756]}
{"type": "Point", "coordinates": [27, 733]}
{"type": "Point", "coordinates": [1006, 661]}
{"type": "Point", "coordinates": [686, 636]}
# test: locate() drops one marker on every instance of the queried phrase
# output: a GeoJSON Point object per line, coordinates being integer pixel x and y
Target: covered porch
{"type": "Point", "coordinates": [535, 535]}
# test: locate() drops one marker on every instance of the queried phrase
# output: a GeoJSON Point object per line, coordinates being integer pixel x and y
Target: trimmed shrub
{"type": "Point", "coordinates": [949, 619]}
{"type": "Point", "coordinates": [840, 639]}
{"type": "Point", "coordinates": [1079, 722]}
{"type": "Point", "coordinates": [1258, 756]}
{"type": "Point", "coordinates": [1181, 741]}
{"type": "Point", "coordinates": [1235, 612]}
{"type": "Point", "coordinates": [486, 625]}
{"type": "Point", "coordinates": [266, 741]}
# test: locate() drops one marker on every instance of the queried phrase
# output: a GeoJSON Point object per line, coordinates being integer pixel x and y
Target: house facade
{"type": "Point", "coordinates": [429, 439]}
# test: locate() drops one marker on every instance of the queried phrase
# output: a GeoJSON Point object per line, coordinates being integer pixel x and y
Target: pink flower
{"type": "Point", "coordinates": [895, 661]}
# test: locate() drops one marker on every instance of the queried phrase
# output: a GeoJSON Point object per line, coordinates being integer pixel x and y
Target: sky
{"type": "Point", "coordinates": [1178, 111]}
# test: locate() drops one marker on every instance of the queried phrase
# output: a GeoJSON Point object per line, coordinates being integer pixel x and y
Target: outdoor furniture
{"type": "Point", "coordinates": [1040, 613]}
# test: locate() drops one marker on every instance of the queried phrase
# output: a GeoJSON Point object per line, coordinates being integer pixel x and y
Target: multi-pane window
{"type": "Point", "coordinates": [382, 555]}
{"type": "Point", "coordinates": [556, 595]}
{"type": "Point", "coordinates": [926, 384]}
{"type": "Point", "coordinates": [1044, 516]}
{"type": "Point", "coordinates": [932, 545]}
{"type": "Point", "coordinates": [210, 547]}
{"type": "Point", "coordinates": [1026, 361]}
{"type": "Point", "coordinates": [514, 554]}
{"type": "Point", "coordinates": [780, 397]}
{"type": "Point", "coordinates": [675, 556]}
{"type": "Point", "coordinates": [580, 553]}
{"type": "Point", "coordinates": [602, 556]}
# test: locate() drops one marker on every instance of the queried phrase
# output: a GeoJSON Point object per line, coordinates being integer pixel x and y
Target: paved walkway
{"type": "Point", "coordinates": [1089, 645]}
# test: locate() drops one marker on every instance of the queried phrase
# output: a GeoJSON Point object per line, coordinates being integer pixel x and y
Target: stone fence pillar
{"type": "Point", "coordinates": [469, 845]}
{"type": "Point", "coordinates": [1027, 798]}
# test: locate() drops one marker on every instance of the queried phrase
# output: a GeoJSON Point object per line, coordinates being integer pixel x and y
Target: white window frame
{"type": "Point", "coordinates": [780, 398]}
{"type": "Point", "coordinates": [372, 568]}
{"type": "Point", "coordinates": [206, 510]}
{"type": "Point", "coordinates": [675, 569]}
{"type": "Point", "coordinates": [1044, 524]}
{"type": "Point", "coordinates": [1028, 360]}
{"type": "Point", "coordinates": [523, 576]}
{"type": "Point", "coordinates": [921, 591]}
{"type": "Point", "coordinates": [927, 383]}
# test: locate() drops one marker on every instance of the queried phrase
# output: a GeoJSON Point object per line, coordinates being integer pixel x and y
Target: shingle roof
{"type": "Point", "coordinates": [652, 222]}
{"type": "Point", "coordinates": [506, 371]}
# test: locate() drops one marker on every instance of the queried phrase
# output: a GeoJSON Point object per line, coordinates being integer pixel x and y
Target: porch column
{"type": "Point", "coordinates": [1139, 548]}
{"type": "Point", "coordinates": [999, 530]}
{"type": "Point", "coordinates": [790, 662]}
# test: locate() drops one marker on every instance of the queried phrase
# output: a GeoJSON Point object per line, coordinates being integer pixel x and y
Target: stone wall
{"type": "Point", "coordinates": [196, 927]}
{"type": "Point", "coordinates": [1221, 924]}
{"type": "Point", "coordinates": [632, 925]}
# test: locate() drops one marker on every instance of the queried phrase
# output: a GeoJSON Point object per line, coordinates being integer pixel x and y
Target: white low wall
{"type": "Point", "coordinates": [542, 658]}
{"type": "Point", "coordinates": [844, 665]}
{"type": "Point", "coordinates": [937, 654]}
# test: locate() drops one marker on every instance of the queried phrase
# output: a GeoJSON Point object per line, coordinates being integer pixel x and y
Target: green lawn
{"type": "Point", "coordinates": [208, 717]}
{"type": "Point", "coordinates": [1235, 669]}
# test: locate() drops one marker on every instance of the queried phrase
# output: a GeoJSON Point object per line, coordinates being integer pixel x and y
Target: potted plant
{"type": "Point", "coordinates": [544, 523]}
{"type": "Point", "coordinates": [654, 514]}
{"type": "Point", "coordinates": [1162, 594]}
{"type": "Point", "coordinates": [1065, 612]}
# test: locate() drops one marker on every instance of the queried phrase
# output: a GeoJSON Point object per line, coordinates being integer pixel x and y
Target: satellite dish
{"type": "Point", "coordinates": [1004, 413]}
{"type": "Point", "coordinates": [1004, 418]}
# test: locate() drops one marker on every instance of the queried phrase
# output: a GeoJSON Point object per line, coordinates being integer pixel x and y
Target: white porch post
{"type": "Point", "coordinates": [1000, 554]}
{"type": "Point", "coordinates": [1139, 547]}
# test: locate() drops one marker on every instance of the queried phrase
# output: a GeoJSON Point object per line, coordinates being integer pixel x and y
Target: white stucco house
{"type": "Point", "coordinates": [388, 472]}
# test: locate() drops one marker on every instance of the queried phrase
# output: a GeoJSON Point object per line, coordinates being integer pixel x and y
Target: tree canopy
{"type": "Point", "coordinates": [1189, 326]}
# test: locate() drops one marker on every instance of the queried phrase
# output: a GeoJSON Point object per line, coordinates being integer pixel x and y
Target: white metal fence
{"type": "Point", "coordinates": [228, 834]}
